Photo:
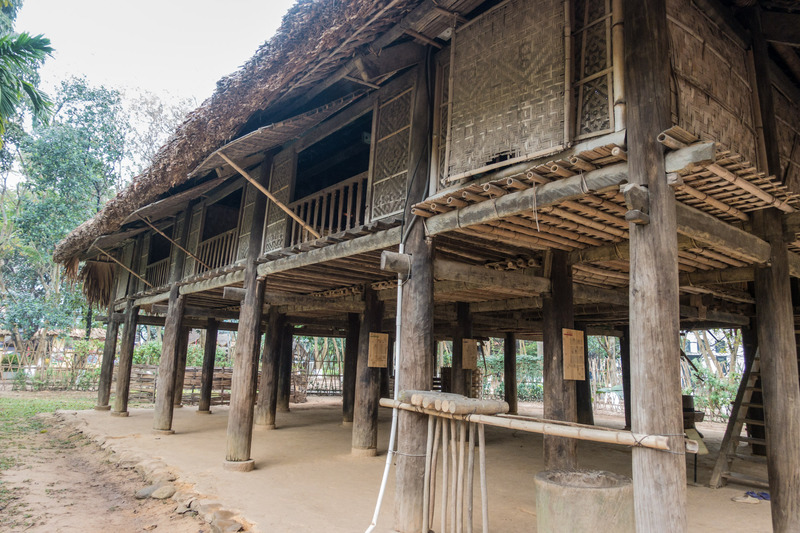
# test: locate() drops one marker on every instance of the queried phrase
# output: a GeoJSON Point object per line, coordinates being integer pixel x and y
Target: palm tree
{"type": "Point", "coordinates": [20, 57]}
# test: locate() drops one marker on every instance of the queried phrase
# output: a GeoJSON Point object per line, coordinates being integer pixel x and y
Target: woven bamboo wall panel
{"type": "Point", "coordinates": [246, 224]}
{"type": "Point", "coordinates": [711, 95]}
{"type": "Point", "coordinates": [787, 114]}
{"type": "Point", "coordinates": [508, 84]}
{"type": "Point", "coordinates": [283, 167]}
{"type": "Point", "coordinates": [194, 240]}
{"type": "Point", "coordinates": [390, 166]}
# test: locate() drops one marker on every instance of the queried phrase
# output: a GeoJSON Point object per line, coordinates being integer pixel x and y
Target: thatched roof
{"type": "Point", "coordinates": [315, 39]}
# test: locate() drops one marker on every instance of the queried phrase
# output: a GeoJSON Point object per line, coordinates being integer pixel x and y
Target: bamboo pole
{"type": "Point", "coordinates": [445, 474]}
{"type": "Point", "coordinates": [181, 248]}
{"type": "Point", "coordinates": [470, 474]}
{"type": "Point", "coordinates": [484, 488]}
{"type": "Point", "coordinates": [123, 266]}
{"type": "Point", "coordinates": [269, 195]}
{"type": "Point", "coordinates": [426, 486]}
{"type": "Point", "coordinates": [454, 476]}
{"type": "Point", "coordinates": [771, 200]}
{"type": "Point", "coordinates": [434, 461]}
{"type": "Point", "coordinates": [553, 427]}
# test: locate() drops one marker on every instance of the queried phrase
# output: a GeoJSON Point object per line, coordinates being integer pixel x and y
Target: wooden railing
{"type": "Point", "coordinates": [157, 274]}
{"type": "Point", "coordinates": [337, 208]}
{"type": "Point", "coordinates": [218, 251]}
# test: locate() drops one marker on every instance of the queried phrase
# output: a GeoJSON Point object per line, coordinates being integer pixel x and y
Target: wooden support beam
{"type": "Point", "coordinates": [180, 373]}
{"type": "Point", "coordinates": [706, 228]}
{"type": "Point", "coordinates": [444, 269]}
{"type": "Point", "coordinates": [285, 370]}
{"type": "Point", "coordinates": [365, 413]}
{"type": "Point", "coordinates": [107, 364]}
{"type": "Point", "coordinates": [207, 377]}
{"type": "Point", "coordinates": [776, 333]}
{"type": "Point", "coordinates": [460, 378]}
{"type": "Point", "coordinates": [245, 366]}
{"type": "Point", "coordinates": [215, 282]}
{"type": "Point", "coordinates": [267, 402]}
{"type": "Point", "coordinates": [781, 28]}
{"type": "Point", "coordinates": [659, 479]}
{"type": "Point", "coordinates": [559, 394]}
{"type": "Point", "coordinates": [510, 372]}
{"type": "Point", "coordinates": [125, 359]}
{"type": "Point", "coordinates": [555, 192]}
{"type": "Point", "coordinates": [169, 362]}
{"type": "Point", "coordinates": [350, 365]}
{"type": "Point", "coordinates": [416, 343]}
{"type": "Point", "coordinates": [716, 277]}
{"type": "Point", "coordinates": [625, 367]}
{"type": "Point", "coordinates": [396, 262]}
{"type": "Point", "coordinates": [369, 243]}
{"type": "Point", "coordinates": [198, 312]}
{"type": "Point", "coordinates": [583, 388]}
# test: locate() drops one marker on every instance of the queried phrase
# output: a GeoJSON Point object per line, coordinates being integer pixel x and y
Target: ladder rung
{"type": "Point", "coordinates": [755, 389]}
{"type": "Point", "coordinates": [752, 440]}
{"type": "Point", "coordinates": [753, 405]}
{"type": "Point", "coordinates": [750, 458]}
{"type": "Point", "coordinates": [745, 479]}
{"type": "Point", "coordinates": [752, 422]}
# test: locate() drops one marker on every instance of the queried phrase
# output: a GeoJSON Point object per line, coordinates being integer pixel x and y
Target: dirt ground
{"type": "Point", "coordinates": [305, 477]}
{"type": "Point", "coordinates": [57, 480]}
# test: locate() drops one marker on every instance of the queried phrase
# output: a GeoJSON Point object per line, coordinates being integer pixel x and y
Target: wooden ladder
{"type": "Point", "coordinates": [733, 435]}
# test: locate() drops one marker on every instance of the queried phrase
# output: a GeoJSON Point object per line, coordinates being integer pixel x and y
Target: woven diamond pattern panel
{"type": "Point", "coordinates": [508, 74]}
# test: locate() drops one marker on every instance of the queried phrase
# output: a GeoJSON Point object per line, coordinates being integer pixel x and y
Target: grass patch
{"type": "Point", "coordinates": [17, 417]}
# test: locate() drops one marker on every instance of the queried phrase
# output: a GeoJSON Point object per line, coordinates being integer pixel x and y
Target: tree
{"type": "Point", "coordinates": [20, 57]}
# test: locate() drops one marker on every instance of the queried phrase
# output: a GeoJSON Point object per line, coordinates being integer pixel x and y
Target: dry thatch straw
{"type": "Point", "coordinates": [98, 280]}
{"type": "Point", "coordinates": [310, 30]}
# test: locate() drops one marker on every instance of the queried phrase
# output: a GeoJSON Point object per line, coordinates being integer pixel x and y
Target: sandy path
{"type": "Point", "coordinates": [62, 482]}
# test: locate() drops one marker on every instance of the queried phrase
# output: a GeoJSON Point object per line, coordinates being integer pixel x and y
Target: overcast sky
{"type": "Point", "coordinates": [168, 47]}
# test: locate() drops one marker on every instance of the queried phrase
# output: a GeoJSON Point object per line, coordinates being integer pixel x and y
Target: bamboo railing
{"type": "Point", "coordinates": [218, 251]}
{"type": "Point", "coordinates": [157, 273]}
{"type": "Point", "coordinates": [331, 210]}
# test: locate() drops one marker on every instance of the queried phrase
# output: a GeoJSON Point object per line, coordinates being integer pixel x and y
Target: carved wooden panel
{"type": "Point", "coordinates": [283, 168]}
{"type": "Point", "coordinates": [194, 240]}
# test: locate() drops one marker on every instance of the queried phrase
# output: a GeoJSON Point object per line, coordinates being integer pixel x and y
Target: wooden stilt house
{"type": "Point", "coordinates": [607, 165]}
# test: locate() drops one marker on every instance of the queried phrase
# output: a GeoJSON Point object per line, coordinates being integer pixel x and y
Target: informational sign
{"type": "Point", "coordinates": [469, 351]}
{"type": "Point", "coordinates": [378, 350]}
{"type": "Point", "coordinates": [573, 342]}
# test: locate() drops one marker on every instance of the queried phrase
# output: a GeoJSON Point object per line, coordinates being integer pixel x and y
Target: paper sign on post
{"type": "Point", "coordinates": [573, 343]}
{"type": "Point", "coordinates": [469, 357]}
{"type": "Point", "coordinates": [378, 350]}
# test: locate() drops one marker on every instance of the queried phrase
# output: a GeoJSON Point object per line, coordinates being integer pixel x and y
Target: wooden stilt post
{"type": "Point", "coordinates": [583, 389]}
{"type": "Point", "coordinates": [107, 365]}
{"type": "Point", "coordinates": [779, 376]}
{"type": "Point", "coordinates": [285, 370]}
{"type": "Point", "coordinates": [240, 416]}
{"type": "Point", "coordinates": [267, 402]}
{"type": "Point", "coordinates": [625, 363]}
{"type": "Point", "coordinates": [365, 411]}
{"type": "Point", "coordinates": [168, 364]}
{"type": "Point", "coordinates": [415, 357]}
{"type": "Point", "coordinates": [659, 479]}
{"type": "Point", "coordinates": [461, 380]}
{"type": "Point", "coordinates": [775, 331]}
{"type": "Point", "coordinates": [209, 357]}
{"type": "Point", "coordinates": [510, 371]}
{"type": "Point", "coordinates": [180, 370]}
{"type": "Point", "coordinates": [350, 363]}
{"type": "Point", "coordinates": [173, 335]}
{"type": "Point", "coordinates": [559, 394]}
{"type": "Point", "coordinates": [125, 359]}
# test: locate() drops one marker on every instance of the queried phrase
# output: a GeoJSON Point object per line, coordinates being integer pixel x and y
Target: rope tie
{"type": "Point", "coordinates": [584, 185]}
{"type": "Point", "coordinates": [535, 213]}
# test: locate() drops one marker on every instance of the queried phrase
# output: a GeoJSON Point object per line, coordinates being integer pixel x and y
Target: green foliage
{"type": "Point", "coordinates": [713, 394]}
{"type": "Point", "coordinates": [17, 414]}
{"type": "Point", "coordinates": [20, 57]}
{"type": "Point", "coordinates": [10, 361]}
{"type": "Point", "coordinates": [149, 353]}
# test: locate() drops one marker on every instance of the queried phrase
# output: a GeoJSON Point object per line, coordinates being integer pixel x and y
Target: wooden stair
{"type": "Point", "coordinates": [728, 451]}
